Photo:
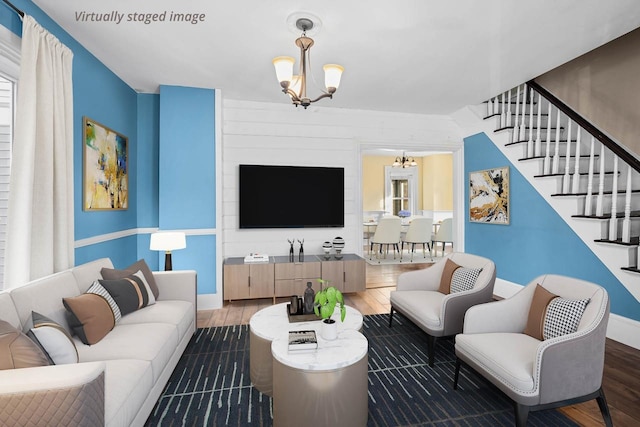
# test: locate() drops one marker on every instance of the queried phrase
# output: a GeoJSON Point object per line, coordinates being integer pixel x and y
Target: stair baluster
{"type": "Point", "coordinates": [503, 113]}
{"type": "Point", "coordinates": [524, 114]}
{"type": "Point", "coordinates": [613, 222]}
{"type": "Point", "coordinates": [576, 172]}
{"type": "Point", "coordinates": [566, 179]}
{"type": "Point", "coordinates": [556, 155]}
{"type": "Point", "coordinates": [516, 126]}
{"type": "Point", "coordinates": [626, 222]}
{"type": "Point", "coordinates": [599, 199]}
{"type": "Point", "coordinates": [530, 142]}
{"type": "Point", "coordinates": [588, 204]}
{"type": "Point", "coordinates": [547, 158]}
{"type": "Point", "coordinates": [508, 124]}
{"type": "Point", "coordinates": [538, 144]}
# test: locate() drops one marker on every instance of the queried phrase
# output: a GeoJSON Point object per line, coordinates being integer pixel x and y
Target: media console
{"type": "Point", "coordinates": [282, 278]}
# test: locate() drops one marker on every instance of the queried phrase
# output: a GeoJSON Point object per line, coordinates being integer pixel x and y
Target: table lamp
{"type": "Point", "coordinates": [167, 241]}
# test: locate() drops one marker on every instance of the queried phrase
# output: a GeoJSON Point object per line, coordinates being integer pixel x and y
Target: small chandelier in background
{"type": "Point", "coordinates": [296, 85]}
{"type": "Point", "coordinates": [404, 162]}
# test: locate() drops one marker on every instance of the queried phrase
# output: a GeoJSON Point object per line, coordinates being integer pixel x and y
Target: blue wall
{"type": "Point", "coordinates": [102, 96]}
{"type": "Point", "coordinates": [537, 240]}
{"type": "Point", "coordinates": [187, 184]}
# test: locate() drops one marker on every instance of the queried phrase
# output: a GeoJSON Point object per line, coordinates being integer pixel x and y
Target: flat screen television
{"type": "Point", "coordinates": [291, 196]}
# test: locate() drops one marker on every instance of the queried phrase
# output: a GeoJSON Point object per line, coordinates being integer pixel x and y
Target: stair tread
{"type": "Point", "coordinates": [634, 241]}
{"type": "Point", "coordinates": [632, 269]}
{"type": "Point", "coordinates": [633, 214]}
{"type": "Point", "coordinates": [562, 174]}
{"type": "Point", "coordinates": [586, 156]}
{"type": "Point", "coordinates": [606, 193]}
{"type": "Point", "coordinates": [524, 141]}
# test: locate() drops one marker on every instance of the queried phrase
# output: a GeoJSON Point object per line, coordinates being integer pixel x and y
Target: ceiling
{"type": "Point", "coordinates": [417, 56]}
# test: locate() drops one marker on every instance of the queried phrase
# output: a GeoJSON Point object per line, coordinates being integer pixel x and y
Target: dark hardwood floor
{"type": "Point", "coordinates": [621, 380]}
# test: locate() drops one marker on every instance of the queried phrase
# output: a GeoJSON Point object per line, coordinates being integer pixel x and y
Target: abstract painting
{"type": "Point", "coordinates": [489, 196]}
{"type": "Point", "coordinates": [106, 176]}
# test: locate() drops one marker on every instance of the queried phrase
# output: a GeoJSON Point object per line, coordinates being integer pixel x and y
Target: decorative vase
{"type": "Point", "coordinates": [338, 245]}
{"type": "Point", "coordinates": [326, 247]}
{"type": "Point", "coordinates": [301, 252]}
{"type": "Point", "coordinates": [309, 297]}
{"type": "Point", "coordinates": [291, 242]}
{"type": "Point", "coordinates": [329, 329]}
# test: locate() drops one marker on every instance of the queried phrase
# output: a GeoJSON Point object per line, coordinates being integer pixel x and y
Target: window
{"type": "Point", "coordinates": [401, 187]}
{"type": "Point", "coordinates": [9, 71]}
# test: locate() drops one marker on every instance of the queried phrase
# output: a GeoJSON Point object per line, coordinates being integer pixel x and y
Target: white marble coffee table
{"type": "Point", "coordinates": [272, 322]}
{"type": "Point", "coordinates": [323, 387]}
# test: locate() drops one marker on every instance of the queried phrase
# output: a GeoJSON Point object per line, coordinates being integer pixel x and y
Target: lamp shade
{"type": "Point", "coordinates": [332, 75]}
{"type": "Point", "coordinates": [168, 241]}
{"type": "Point", "coordinates": [284, 68]}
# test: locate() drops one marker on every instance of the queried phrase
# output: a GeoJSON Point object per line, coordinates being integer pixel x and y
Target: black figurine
{"type": "Point", "coordinates": [301, 253]}
{"type": "Point", "coordinates": [291, 242]}
{"type": "Point", "coordinates": [309, 297]}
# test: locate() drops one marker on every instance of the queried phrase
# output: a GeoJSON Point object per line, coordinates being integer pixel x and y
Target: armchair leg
{"type": "Point", "coordinates": [604, 408]}
{"type": "Point", "coordinates": [391, 316]}
{"type": "Point", "coordinates": [522, 413]}
{"type": "Point", "coordinates": [431, 344]}
{"type": "Point", "coordinates": [456, 374]}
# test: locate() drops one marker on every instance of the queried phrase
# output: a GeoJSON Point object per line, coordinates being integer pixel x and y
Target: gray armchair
{"type": "Point", "coordinates": [418, 298]}
{"type": "Point", "coordinates": [538, 374]}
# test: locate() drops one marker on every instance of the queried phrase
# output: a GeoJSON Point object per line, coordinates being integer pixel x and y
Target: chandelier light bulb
{"type": "Point", "coordinates": [332, 75]}
{"type": "Point", "coordinates": [284, 69]}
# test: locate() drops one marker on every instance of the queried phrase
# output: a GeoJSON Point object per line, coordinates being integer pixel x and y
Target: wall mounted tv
{"type": "Point", "coordinates": [291, 196]}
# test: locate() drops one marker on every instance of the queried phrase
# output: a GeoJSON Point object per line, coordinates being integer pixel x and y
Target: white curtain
{"type": "Point", "coordinates": [40, 238]}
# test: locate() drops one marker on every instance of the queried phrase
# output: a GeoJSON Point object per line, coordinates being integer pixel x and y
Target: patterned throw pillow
{"type": "Point", "coordinates": [563, 317]}
{"type": "Point", "coordinates": [140, 265]}
{"type": "Point", "coordinates": [17, 350]}
{"type": "Point", "coordinates": [98, 289]}
{"type": "Point", "coordinates": [90, 317]}
{"type": "Point", "coordinates": [463, 279]}
{"type": "Point", "coordinates": [130, 293]}
{"type": "Point", "coordinates": [53, 339]}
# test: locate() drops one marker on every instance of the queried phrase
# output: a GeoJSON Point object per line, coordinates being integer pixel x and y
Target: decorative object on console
{"type": "Point", "coordinates": [291, 242]}
{"type": "Point", "coordinates": [168, 241]}
{"type": "Point", "coordinates": [325, 303]}
{"type": "Point", "coordinates": [309, 298]}
{"type": "Point", "coordinates": [301, 251]}
{"type": "Point", "coordinates": [326, 248]}
{"type": "Point", "coordinates": [296, 85]}
{"type": "Point", "coordinates": [404, 162]}
{"type": "Point", "coordinates": [106, 177]}
{"type": "Point", "coordinates": [338, 245]}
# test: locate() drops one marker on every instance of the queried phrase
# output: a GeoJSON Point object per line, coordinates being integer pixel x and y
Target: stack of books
{"type": "Point", "coordinates": [302, 340]}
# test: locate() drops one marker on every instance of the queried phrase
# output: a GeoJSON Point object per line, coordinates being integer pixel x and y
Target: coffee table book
{"type": "Point", "coordinates": [302, 340]}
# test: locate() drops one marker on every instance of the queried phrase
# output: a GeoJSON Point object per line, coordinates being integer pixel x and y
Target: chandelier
{"type": "Point", "coordinates": [404, 162]}
{"type": "Point", "coordinates": [296, 85]}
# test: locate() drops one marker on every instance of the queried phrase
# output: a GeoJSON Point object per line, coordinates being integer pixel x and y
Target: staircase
{"type": "Point", "coordinates": [591, 181]}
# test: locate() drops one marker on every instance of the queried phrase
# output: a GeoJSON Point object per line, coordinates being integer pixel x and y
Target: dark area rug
{"type": "Point", "coordinates": [211, 384]}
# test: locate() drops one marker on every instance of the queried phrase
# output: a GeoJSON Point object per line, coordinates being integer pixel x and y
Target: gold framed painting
{"type": "Point", "coordinates": [106, 161]}
{"type": "Point", "coordinates": [489, 196]}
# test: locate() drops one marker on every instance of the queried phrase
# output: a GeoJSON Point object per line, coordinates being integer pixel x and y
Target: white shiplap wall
{"type": "Point", "coordinates": [6, 122]}
{"type": "Point", "coordinates": [280, 134]}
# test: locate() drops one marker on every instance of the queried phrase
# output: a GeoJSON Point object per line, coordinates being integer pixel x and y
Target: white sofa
{"type": "Point", "coordinates": [117, 380]}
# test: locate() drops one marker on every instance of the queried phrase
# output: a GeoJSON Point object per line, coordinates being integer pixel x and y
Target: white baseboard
{"type": "Point", "coordinates": [621, 329]}
{"type": "Point", "coordinates": [209, 301]}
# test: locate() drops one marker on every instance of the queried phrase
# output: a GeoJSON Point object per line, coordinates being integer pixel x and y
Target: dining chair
{"type": "Point", "coordinates": [387, 233]}
{"type": "Point", "coordinates": [444, 234]}
{"type": "Point", "coordinates": [419, 232]}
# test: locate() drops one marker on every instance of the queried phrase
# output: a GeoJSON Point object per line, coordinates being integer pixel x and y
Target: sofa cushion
{"type": "Point", "coordinates": [131, 293]}
{"type": "Point", "coordinates": [508, 356]}
{"type": "Point", "coordinates": [154, 342]}
{"type": "Point", "coordinates": [424, 308]}
{"type": "Point", "coordinates": [178, 313]}
{"type": "Point", "coordinates": [447, 273]}
{"type": "Point", "coordinates": [17, 350]}
{"type": "Point", "coordinates": [563, 317]}
{"type": "Point", "coordinates": [53, 339]}
{"type": "Point", "coordinates": [89, 317]}
{"type": "Point", "coordinates": [127, 384]}
{"type": "Point", "coordinates": [140, 265]}
{"type": "Point", "coordinates": [464, 279]}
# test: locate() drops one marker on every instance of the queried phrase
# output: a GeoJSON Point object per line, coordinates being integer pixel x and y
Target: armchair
{"type": "Point", "coordinates": [418, 296]}
{"type": "Point", "coordinates": [539, 374]}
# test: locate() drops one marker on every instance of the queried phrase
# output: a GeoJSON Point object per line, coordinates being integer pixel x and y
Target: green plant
{"type": "Point", "coordinates": [326, 300]}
